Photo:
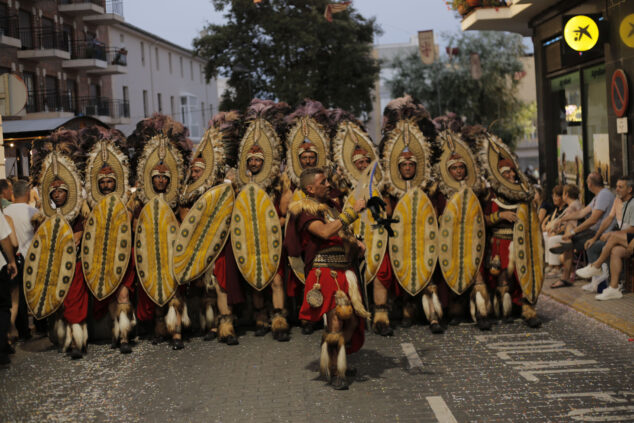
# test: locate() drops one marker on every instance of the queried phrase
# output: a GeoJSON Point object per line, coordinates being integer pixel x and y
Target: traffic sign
{"type": "Point", "coordinates": [620, 92]}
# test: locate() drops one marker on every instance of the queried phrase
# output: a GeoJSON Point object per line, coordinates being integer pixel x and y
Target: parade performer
{"type": "Point", "coordinates": [515, 260]}
{"type": "Point", "coordinates": [256, 231]}
{"type": "Point", "coordinates": [321, 235]}
{"type": "Point", "coordinates": [53, 277]}
{"type": "Point", "coordinates": [107, 240]}
{"type": "Point", "coordinates": [354, 152]}
{"type": "Point", "coordinates": [408, 155]}
{"type": "Point", "coordinates": [307, 146]}
{"type": "Point", "coordinates": [162, 156]}
{"type": "Point", "coordinates": [462, 230]}
{"type": "Point", "coordinates": [205, 213]}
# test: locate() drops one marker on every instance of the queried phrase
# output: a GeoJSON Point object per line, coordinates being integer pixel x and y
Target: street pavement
{"type": "Point", "coordinates": [572, 369]}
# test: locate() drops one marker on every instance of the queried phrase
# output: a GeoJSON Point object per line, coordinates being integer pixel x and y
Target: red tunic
{"type": "Point", "coordinates": [76, 301]}
{"type": "Point", "coordinates": [228, 275]}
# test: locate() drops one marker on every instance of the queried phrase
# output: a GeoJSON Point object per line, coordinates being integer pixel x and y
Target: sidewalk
{"type": "Point", "coordinates": [616, 313]}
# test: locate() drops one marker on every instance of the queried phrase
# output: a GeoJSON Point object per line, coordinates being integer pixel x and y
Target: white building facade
{"type": "Point", "coordinates": [162, 78]}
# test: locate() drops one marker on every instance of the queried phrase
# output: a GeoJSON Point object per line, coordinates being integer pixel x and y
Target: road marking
{"type": "Point", "coordinates": [412, 355]}
{"type": "Point", "coordinates": [603, 414]}
{"type": "Point", "coordinates": [505, 355]}
{"type": "Point", "coordinates": [440, 409]}
{"type": "Point", "coordinates": [607, 396]}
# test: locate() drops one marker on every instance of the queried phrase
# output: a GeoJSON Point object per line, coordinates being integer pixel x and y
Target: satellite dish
{"type": "Point", "coordinates": [13, 94]}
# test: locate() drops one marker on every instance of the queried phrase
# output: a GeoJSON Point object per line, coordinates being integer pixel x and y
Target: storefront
{"type": "Point", "coordinates": [577, 121]}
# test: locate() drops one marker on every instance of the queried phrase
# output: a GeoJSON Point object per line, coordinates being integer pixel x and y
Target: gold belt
{"type": "Point", "coordinates": [334, 258]}
{"type": "Point", "coordinates": [502, 233]}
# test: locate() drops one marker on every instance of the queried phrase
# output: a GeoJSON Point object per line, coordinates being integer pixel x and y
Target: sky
{"type": "Point", "coordinates": [180, 21]}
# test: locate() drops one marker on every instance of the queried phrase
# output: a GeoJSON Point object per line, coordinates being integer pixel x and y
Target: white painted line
{"type": "Point", "coordinates": [607, 396]}
{"type": "Point", "coordinates": [440, 409]}
{"type": "Point", "coordinates": [412, 355]}
{"type": "Point", "coordinates": [536, 365]}
{"type": "Point", "coordinates": [484, 338]}
{"type": "Point", "coordinates": [505, 355]}
{"type": "Point", "coordinates": [604, 414]}
{"type": "Point", "coordinates": [530, 374]}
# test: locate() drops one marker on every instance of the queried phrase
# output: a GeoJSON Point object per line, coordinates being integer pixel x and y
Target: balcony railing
{"type": "Point", "coordinates": [9, 26]}
{"type": "Point", "coordinates": [103, 106]}
{"type": "Point", "coordinates": [88, 50]}
{"type": "Point", "coordinates": [43, 38]}
{"type": "Point", "coordinates": [49, 101]}
{"type": "Point", "coordinates": [114, 6]}
{"type": "Point", "coordinates": [97, 2]}
{"type": "Point", "coordinates": [117, 56]}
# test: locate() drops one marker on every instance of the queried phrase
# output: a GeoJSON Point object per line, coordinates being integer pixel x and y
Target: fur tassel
{"type": "Point", "coordinates": [408, 311]}
{"type": "Point", "coordinates": [185, 317]}
{"type": "Point", "coordinates": [437, 305]}
{"type": "Point", "coordinates": [472, 310]}
{"type": "Point", "coordinates": [209, 316]}
{"type": "Point", "coordinates": [480, 304]}
{"type": "Point", "coordinates": [426, 307]}
{"type": "Point", "coordinates": [381, 316]}
{"type": "Point", "coordinates": [507, 304]}
{"type": "Point", "coordinates": [528, 312]}
{"type": "Point", "coordinates": [60, 332]}
{"type": "Point", "coordinates": [125, 325]}
{"type": "Point", "coordinates": [78, 335]}
{"type": "Point", "coordinates": [324, 359]}
{"type": "Point", "coordinates": [511, 268]}
{"type": "Point", "coordinates": [225, 327]}
{"type": "Point", "coordinates": [279, 323]}
{"type": "Point", "coordinates": [355, 295]}
{"type": "Point", "coordinates": [496, 306]}
{"type": "Point", "coordinates": [341, 361]}
{"type": "Point", "coordinates": [171, 320]}
{"type": "Point", "coordinates": [68, 339]}
{"type": "Point", "coordinates": [84, 327]}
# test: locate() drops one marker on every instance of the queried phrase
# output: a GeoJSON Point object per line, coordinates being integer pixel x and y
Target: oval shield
{"type": "Point", "coordinates": [49, 267]}
{"type": "Point", "coordinates": [203, 233]}
{"type": "Point", "coordinates": [462, 239]}
{"type": "Point", "coordinates": [156, 232]}
{"type": "Point", "coordinates": [256, 236]}
{"type": "Point", "coordinates": [375, 240]}
{"type": "Point", "coordinates": [413, 250]}
{"type": "Point", "coordinates": [528, 252]}
{"type": "Point", "coordinates": [297, 263]}
{"type": "Point", "coordinates": [105, 247]}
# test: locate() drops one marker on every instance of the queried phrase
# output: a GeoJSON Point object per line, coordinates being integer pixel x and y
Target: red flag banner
{"type": "Point", "coordinates": [333, 8]}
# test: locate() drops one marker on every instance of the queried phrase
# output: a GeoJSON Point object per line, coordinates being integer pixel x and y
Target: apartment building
{"type": "Point", "coordinates": [80, 58]}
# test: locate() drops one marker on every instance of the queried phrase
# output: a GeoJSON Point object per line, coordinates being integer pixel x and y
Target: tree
{"type": "Point", "coordinates": [448, 86]}
{"type": "Point", "coordinates": [286, 50]}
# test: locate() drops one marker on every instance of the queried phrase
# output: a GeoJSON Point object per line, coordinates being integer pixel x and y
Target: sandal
{"type": "Point", "coordinates": [561, 283]}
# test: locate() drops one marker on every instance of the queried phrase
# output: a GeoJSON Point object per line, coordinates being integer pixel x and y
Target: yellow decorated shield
{"type": "Point", "coordinates": [375, 240]}
{"type": "Point", "coordinates": [528, 251]}
{"type": "Point", "coordinates": [156, 233]}
{"type": "Point", "coordinates": [203, 233]}
{"type": "Point", "coordinates": [413, 250]}
{"type": "Point", "coordinates": [49, 267]}
{"type": "Point", "coordinates": [256, 236]}
{"type": "Point", "coordinates": [462, 239]}
{"type": "Point", "coordinates": [297, 263]}
{"type": "Point", "coordinates": [105, 246]}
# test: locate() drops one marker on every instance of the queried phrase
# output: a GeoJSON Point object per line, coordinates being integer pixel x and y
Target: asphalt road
{"type": "Point", "coordinates": [572, 369]}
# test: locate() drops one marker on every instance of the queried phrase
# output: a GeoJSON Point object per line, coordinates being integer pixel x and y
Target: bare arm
{"type": "Point", "coordinates": [580, 214]}
{"type": "Point", "coordinates": [13, 237]}
{"type": "Point", "coordinates": [9, 251]}
{"type": "Point", "coordinates": [594, 218]}
{"type": "Point", "coordinates": [326, 230]}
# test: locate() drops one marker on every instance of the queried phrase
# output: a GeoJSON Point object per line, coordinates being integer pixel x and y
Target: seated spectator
{"type": "Point", "coordinates": [615, 242]}
{"type": "Point", "coordinates": [543, 205]}
{"type": "Point", "coordinates": [554, 229]}
{"type": "Point", "coordinates": [566, 225]}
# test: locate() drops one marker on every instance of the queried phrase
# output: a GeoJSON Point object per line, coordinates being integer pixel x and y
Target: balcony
{"type": "Point", "coordinates": [116, 61]}
{"type": "Point", "coordinates": [43, 43]}
{"type": "Point", "coordinates": [509, 15]}
{"type": "Point", "coordinates": [9, 33]}
{"type": "Point", "coordinates": [81, 7]}
{"type": "Point", "coordinates": [110, 111]}
{"type": "Point", "coordinates": [87, 55]}
{"type": "Point", "coordinates": [49, 104]}
{"type": "Point", "coordinates": [112, 15]}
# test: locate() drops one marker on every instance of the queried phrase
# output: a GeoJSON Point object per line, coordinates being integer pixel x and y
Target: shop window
{"type": "Point", "coordinates": [596, 121]}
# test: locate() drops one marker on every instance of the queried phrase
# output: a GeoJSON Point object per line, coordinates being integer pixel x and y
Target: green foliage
{"type": "Point", "coordinates": [286, 50]}
{"type": "Point", "coordinates": [447, 84]}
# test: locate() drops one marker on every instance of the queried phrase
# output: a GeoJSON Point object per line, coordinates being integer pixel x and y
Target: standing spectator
{"type": "Point", "coordinates": [7, 273]}
{"type": "Point", "coordinates": [21, 213]}
{"type": "Point", "coordinates": [34, 197]}
{"type": "Point", "coordinates": [6, 193]}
